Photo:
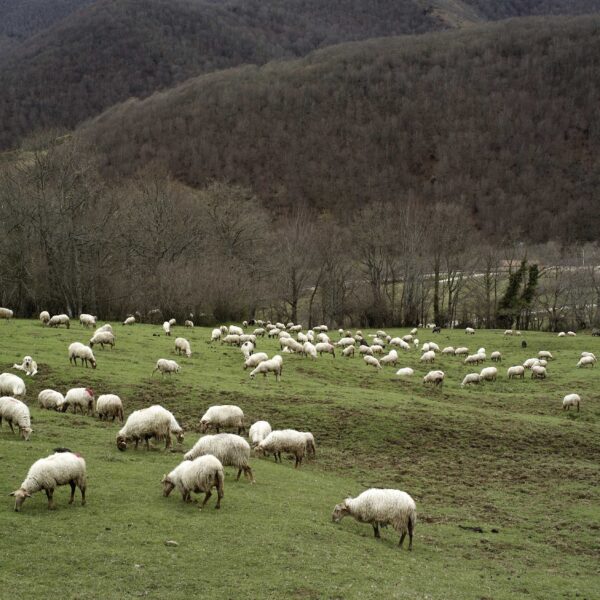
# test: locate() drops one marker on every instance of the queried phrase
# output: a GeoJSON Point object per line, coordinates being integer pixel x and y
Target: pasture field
{"type": "Point", "coordinates": [502, 457]}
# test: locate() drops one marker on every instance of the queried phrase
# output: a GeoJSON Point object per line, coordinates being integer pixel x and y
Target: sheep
{"type": "Point", "coordinates": [167, 328]}
{"type": "Point", "coordinates": [311, 449]}
{"type": "Point", "coordinates": [273, 333]}
{"type": "Point", "coordinates": [381, 507]}
{"type": "Point", "coordinates": [461, 351]}
{"type": "Point", "coordinates": [247, 348]}
{"type": "Point", "coordinates": [87, 320]}
{"type": "Point", "coordinates": [58, 320]}
{"type": "Point", "coordinates": [77, 350]}
{"type": "Point", "coordinates": [508, 332]}
{"type": "Point", "coordinates": [105, 327]}
{"type": "Point", "coordinates": [232, 450]}
{"type": "Point", "coordinates": [6, 313]}
{"type": "Point", "coordinates": [584, 361]}
{"type": "Point", "coordinates": [347, 341]}
{"type": "Point", "coordinates": [516, 371]}
{"type": "Point", "coordinates": [425, 347]}
{"type": "Point", "coordinates": [82, 398]}
{"type": "Point", "coordinates": [428, 357]}
{"type": "Point", "coordinates": [589, 354]}
{"type": "Point", "coordinates": [414, 331]}
{"type": "Point", "coordinates": [390, 359]}
{"type": "Point", "coordinates": [109, 405]}
{"type": "Point", "coordinates": [448, 350]}
{"type": "Point", "coordinates": [28, 365]}
{"type": "Point", "coordinates": [259, 332]}
{"type": "Point", "coordinates": [309, 349]}
{"type": "Point", "coordinates": [365, 350]}
{"type": "Point", "coordinates": [224, 415]}
{"type": "Point", "coordinates": [295, 328]}
{"type": "Point", "coordinates": [152, 422]}
{"type": "Point", "coordinates": [48, 473]}
{"type": "Point", "coordinates": [473, 359]}
{"type": "Point", "coordinates": [129, 320]}
{"type": "Point", "coordinates": [571, 333]}
{"type": "Point", "coordinates": [381, 333]}
{"type": "Point", "coordinates": [274, 365]}
{"type": "Point", "coordinates": [215, 335]}
{"type": "Point", "coordinates": [415, 343]}
{"type": "Point", "coordinates": [496, 356]}
{"type": "Point", "coordinates": [531, 362]}
{"type": "Point", "coordinates": [470, 379]}
{"type": "Point", "coordinates": [188, 323]}
{"type": "Point", "coordinates": [545, 354]}
{"type": "Point", "coordinates": [164, 365]}
{"type": "Point", "coordinates": [561, 334]}
{"type": "Point", "coordinates": [543, 362]}
{"type": "Point", "coordinates": [255, 359]}
{"type": "Point", "coordinates": [44, 317]}
{"type": "Point", "coordinates": [235, 330]}
{"type": "Point", "coordinates": [469, 331]}
{"type": "Point", "coordinates": [323, 338]}
{"type": "Point", "coordinates": [50, 399]}
{"type": "Point", "coordinates": [231, 339]}
{"type": "Point", "coordinates": [348, 351]}
{"type": "Point", "coordinates": [102, 338]}
{"type": "Point", "coordinates": [182, 346]}
{"type": "Point", "coordinates": [377, 349]}
{"type": "Point", "coordinates": [325, 347]}
{"type": "Point", "coordinates": [405, 372]}
{"type": "Point", "coordinates": [15, 412]}
{"type": "Point", "coordinates": [12, 385]}
{"type": "Point", "coordinates": [198, 476]}
{"type": "Point", "coordinates": [489, 374]}
{"type": "Point", "coordinates": [571, 400]}
{"type": "Point", "coordinates": [433, 346]}
{"type": "Point", "coordinates": [284, 440]}
{"type": "Point", "coordinates": [435, 377]}
{"type": "Point", "coordinates": [400, 343]}
{"type": "Point", "coordinates": [224, 329]}
{"type": "Point", "coordinates": [259, 431]}
{"type": "Point", "coordinates": [538, 372]}
{"type": "Point", "coordinates": [408, 338]}
{"type": "Point", "coordinates": [172, 322]}
{"type": "Point", "coordinates": [377, 341]}
{"type": "Point", "coordinates": [372, 361]}
{"type": "Point", "coordinates": [248, 337]}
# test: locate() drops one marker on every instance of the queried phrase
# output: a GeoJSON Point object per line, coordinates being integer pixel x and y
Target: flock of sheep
{"type": "Point", "coordinates": [202, 467]}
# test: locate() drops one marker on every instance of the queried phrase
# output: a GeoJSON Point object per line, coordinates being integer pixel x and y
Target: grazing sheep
{"type": "Point", "coordinates": [435, 377]}
{"type": "Point", "coordinates": [325, 347]}
{"type": "Point", "coordinates": [284, 440]}
{"type": "Point", "coordinates": [543, 362]}
{"type": "Point", "coordinates": [589, 354]}
{"type": "Point", "coordinates": [198, 476]}
{"type": "Point", "coordinates": [571, 333]}
{"type": "Point", "coordinates": [259, 332]}
{"type": "Point", "coordinates": [28, 365]}
{"type": "Point", "coordinates": [407, 338]}
{"type": "Point", "coordinates": [405, 372]}
{"type": "Point", "coordinates": [584, 361]}
{"type": "Point", "coordinates": [152, 422]}
{"type": "Point", "coordinates": [517, 371]}
{"type": "Point", "coordinates": [232, 450]}
{"type": "Point", "coordinates": [77, 350]}
{"type": "Point", "coordinates": [390, 359]}
{"type": "Point", "coordinates": [561, 334]}
{"type": "Point", "coordinates": [182, 346]}
{"type": "Point", "coordinates": [220, 416]}
{"type": "Point", "coordinates": [414, 331]}
{"type": "Point", "coordinates": [381, 507]}
{"type": "Point", "coordinates": [15, 412]}
{"type": "Point", "coordinates": [372, 361]}
{"type": "Point", "coordinates": [167, 328]}
{"type": "Point", "coordinates": [164, 365]}
{"type": "Point", "coordinates": [50, 472]}
{"type": "Point", "coordinates": [366, 350]}
{"type": "Point", "coordinates": [231, 339]}
{"type": "Point", "coordinates": [461, 351]}
{"type": "Point", "coordinates": [531, 362]}
{"type": "Point", "coordinates": [469, 331]}
{"type": "Point", "coordinates": [188, 323]}
{"type": "Point", "coordinates": [571, 400]}
{"type": "Point", "coordinates": [545, 354]}
{"type": "Point", "coordinates": [102, 338]}
{"type": "Point", "coordinates": [309, 349]}
{"type": "Point", "coordinates": [470, 379]}
{"type": "Point", "coordinates": [109, 405]}
{"type": "Point", "coordinates": [348, 351]}
{"type": "Point", "coordinates": [428, 357]}
{"type": "Point", "coordinates": [50, 399]}
{"type": "Point", "coordinates": [224, 329]}
{"type": "Point", "coordinates": [215, 335]}
{"type": "Point", "coordinates": [235, 330]}
{"type": "Point", "coordinates": [489, 374]}
{"type": "Point", "coordinates": [105, 327]}
{"type": "Point", "coordinates": [255, 360]}
{"type": "Point", "coordinates": [348, 341]}
{"type": "Point", "coordinates": [273, 365]}
{"type": "Point", "coordinates": [538, 372]}
{"type": "Point", "coordinates": [248, 337]}
{"type": "Point", "coordinates": [129, 320]}
{"type": "Point", "coordinates": [247, 348]}
{"type": "Point", "coordinates": [433, 346]}
{"type": "Point", "coordinates": [496, 356]}
{"type": "Point", "coordinates": [425, 347]}
{"type": "Point", "coordinates": [172, 322]}
{"type": "Point", "coordinates": [259, 431]}
{"type": "Point", "coordinates": [415, 343]}
{"type": "Point", "coordinates": [79, 398]}
{"type": "Point", "coordinates": [87, 320]}
{"type": "Point", "coordinates": [44, 317]}
{"type": "Point", "coordinates": [291, 344]}
{"type": "Point", "coordinates": [508, 332]}
{"type": "Point", "coordinates": [12, 385]}
{"type": "Point", "coordinates": [6, 313]}
{"type": "Point", "coordinates": [58, 320]}
{"type": "Point", "coordinates": [448, 350]}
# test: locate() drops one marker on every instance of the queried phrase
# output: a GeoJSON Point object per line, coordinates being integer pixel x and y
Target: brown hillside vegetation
{"type": "Point", "coordinates": [499, 118]}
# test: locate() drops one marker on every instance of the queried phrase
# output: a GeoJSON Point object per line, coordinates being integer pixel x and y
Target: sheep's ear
{"type": "Point", "coordinates": [12, 493]}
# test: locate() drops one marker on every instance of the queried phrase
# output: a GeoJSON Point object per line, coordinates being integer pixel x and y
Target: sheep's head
{"type": "Point", "coordinates": [121, 443]}
{"type": "Point", "coordinates": [93, 363]}
{"type": "Point", "coordinates": [259, 449]}
{"type": "Point", "coordinates": [90, 392]}
{"type": "Point", "coordinates": [91, 344]}
{"type": "Point", "coordinates": [339, 512]}
{"type": "Point", "coordinates": [168, 485]}
{"type": "Point", "coordinates": [180, 435]}
{"type": "Point", "coordinates": [20, 496]}
{"type": "Point", "coordinates": [204, 426]}
{"type": "Point", "coordinates": [26, 432]}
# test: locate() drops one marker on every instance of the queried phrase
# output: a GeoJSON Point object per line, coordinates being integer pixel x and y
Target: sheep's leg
{"type": "Point", "coordinates": [11, 426]}
{"type": "Point", "coordinates": [410, 533]}
{"type": "Point", "coordinates": [402, 539]}
{"type": "Point", "coordinates": [206, 498]}
{"type": "Point", "coordinates": [578, 407]}
{"type": "Point", "coordinates": [136, 443]}
{"type": "Point", "coordinates": [376, 530]}
{"type": "Point", "coordinates": [82, 490]}
{"type": "Point", "coordinates": [248, 473]}
{"type": "Point", "coordinates": [239, 473]}
{"type": "Point", "coordinates": [72, 484]}
{"type": "Point", "coordinates": [50, 493]}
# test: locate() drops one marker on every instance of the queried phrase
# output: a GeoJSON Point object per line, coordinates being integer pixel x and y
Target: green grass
{"type": "Point", "coordinates": [501, 456]}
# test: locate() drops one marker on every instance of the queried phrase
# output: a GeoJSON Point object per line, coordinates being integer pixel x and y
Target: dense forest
{"type": "Point", "coordinates": [500, 118]}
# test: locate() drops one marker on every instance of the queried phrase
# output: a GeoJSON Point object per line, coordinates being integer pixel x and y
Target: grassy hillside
{"type": "Point", "coordinates": [501, 457]}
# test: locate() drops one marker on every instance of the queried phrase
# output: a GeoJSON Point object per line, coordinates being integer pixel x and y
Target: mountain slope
{"type": "Point", "coordinates": [499, 117]}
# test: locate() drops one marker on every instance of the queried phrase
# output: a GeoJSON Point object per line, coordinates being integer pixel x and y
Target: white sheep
{"type": "Point", "coordinates": [87, 320]}
{"type": "Point", "coordinates": [448, 350]}
{"type": "Point", "coordinates": [232, 339]}
{"type": "Point", "coordinates": [164, 365]}
{"type": "Point", "coordinates": [247, 348]}
{"type": "Point", "coordinates": [571, 400]}
{"type": "Point", "coordinates": [102, 338]}
{"type": "Point", "coordinates": [235, 330]}
{"type": "Point", "coordinates": [152, 422]}
{"type": "Point", "coordinates": [6, 313]}
{"type": "Point", "coordinates": [129, 320]}
{"type": "Point", "coordinates": [433, 346]}
{"type": "Point", "coordinates": [518, 371]}
{"type": "Point", "coordinates": [50, 399]}
{"type": "Point", "coordinates": [461, 351]}
{"type": "Point", "coordinates": [508, 332]}
{"type": "Point", "coordinates": [325, 347]}
{"type": "Point", "coordinates": [531, 362]}
{"type": "Point", "coordinates": [172, 322]}
{"type": "Point", "coordinates": [408, 338]}
{"type": "Point", "coordinates": [538, 372]}
{"type": "Point", "coordinates": [589, 354]}
{"type": "Point", "coordinates": [215, 335]}
{"type": "Point", "coordinates": [469, 331]}
{"type": "Point", "coordinates": [221, 416]}
{"type": "Point", "coordinates": [390, 359]}
{"type": "Point", "coordinates": [470, 379]}
{"type": "Point", "coordinates": [58, 320]}
{"type": "Point", "coordinates": [284, 440]}
{"type": "Point", "coordinates": [545, 354]}
{"type": "Point", "coordinates": [79, 398]}
{"type": "Point", "coordinates": [105, 327]}
{"type": "Point", "coordinates": [346, 341]}
{"type": "Point", "coordinates": [188, 323]}
{"type": "Point", "coordinates": [489, 374]}
{"type": "Point", "coordinates": [255, 360]}
{"type": "Point", "coordinates": [584, 361]}
{"type": "Point", "coordinates": [428, 357]}
{"type": "Point", "coordinates": [259, 431]}
{"type": "Point", "coordinates": [474, 359]}
{"type": "Point", "coordinates": [414, 331]}
{"type": "Point", "coordinates": [496, 356]}
{"type": "Point", "coordinates": [167, 328]}
{"type": "Point", "coordinates": [561, 334]}
{"type": "Point", "coordinates": [259, 332]}
{"type": "Point", "coordinates": [405, 372]}
{"type": "Point", "coordinates": [309, 349]}
{"type": "Point", "coordinates": [12, 385]}
{"type": "Point", "coordinates": [44, 317]}
{"type": "Point", "coordinates": [366, 350]}
{"type": "Point", "coordinates": [348, 351]}
{"type": "Point", "coordinates": [28, 365]}
{"type": "Point", "coordinates": [109, 405]}
{"type": "Point", "coordinates": [84, 353]}
{"type": "Point", "coordinates": [232, 450]}
{"type": "Point", "coordinates": [182, 346]}
{"type": "Point", "coordinates": [49, 473]}
{"type": "Point", "coordinates": [273, 365]}
{"type": "Point", "coordinates": [381, 507]}
{"type": "Point", "coordinates": [372, 361]}
{"type": "Point", "coordinates": [198, 476]}
{"type": "Point", "coordinates": [292, 345]}
{"type": "Point", "coordinates": [435, 377]}
{"type": "Point", "coordinates": [415, 343]}
{"type": "Point", "coordinates": [248, 337]}
{"type": "Point", "coordinates": [15, 412]}
{"type": "Point", "coordinates": [571, 333]}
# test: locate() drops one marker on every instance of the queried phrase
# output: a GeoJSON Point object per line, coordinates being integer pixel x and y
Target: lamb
{"type": "Point", "coordinates": [58, 320]}
{"type": "Point", "coordinates": [259, 431]}
{"type": "Point", "coordinates": [215, 335]}
{"type": "Point", "coordinates": [220, 416]}
{"type": "Point", "coordinates": [77, 350]}
{"type": "Point", "coordinates": [435, 377]}
{"type": "Point", "coordinates": [470, 379]}
{"type": "Point", "coordinates": [12, 385]}
{"type": "Point", "coordinates": [87, 320]}
{"type": "Point", "coordinates": [372, 361]}
{"type": "Point", "coordinates": [496, 356]}
{"type": "Point", "coordinates": [255, 359]}
{"type": "Point", "coordinates": [182, 346]}
{"type": "Point", "coordinates": [390, 359]}
{"type": "Point", "coordinates": [325, 347]}
{"type": "Point", "coordinates": [48, 473]}
{"type": "Point", "coordinates": [405, 372]}
{"type": "Point", "coordinates": [461, 351]}
{"type": "Point", "coordinates": [538, 372]}
{"type": "Point", "coordinates": [309, 349]}
{"type": "Point", "coordinates": [284, 440]}
{"type": "Point", "coordinates": [198, 476]}
{"type": "Point", "coordinates": [428, 357]}
{"type": "Point", "coordinates": [448, 350]}
{"type": "Point", "coordinates": [516, 371]}
{"type": "Point", "coordinates": [103, 337]}
{"type": "Point", "coordinates": [28, 365]}
{"type": "Point", "coordinates": [489, 374]}
{"type": "Point", "coordinates": [109, 405]}
{"type": "Point", "coordinates": [188, 323]}
{"type": "Point", "coordinates": [15, 412]}
{"type": "Point", "coordinates": [167, 328]}
{"type": "Point", "coordinates": [571, 400]}
{"type": "Point", "coordinates": [348, 351]}
{"type": "Point", "coordinates": [129, 321]}
{"type": "Point", "coordinates": [152, 422]}
{"type": "Point", "coordinates": [232, 450]}
{"type": "Point", "coordinates": [584, 361]}
{"type": "Point", "coordinates": [79, 398]}
{"type": "Point", "coordinates": [164, 365]}
{"type": "Point", "coordinates": [247, 348]}
{"type": "Point", "coordinates": [6, 313]}
{"type": "Point", "coordinates": [545, 354]}
{"type": "Point", "coordinates": [44, 317]}
{"type": "Point", "coordinates": [274, 365]}
{"type": "Point", "coordinates": [469, 331]}
{"type": "Point", "coordinates": [381, 507]}
{"type": "Point", "coordinates": [50, 399]}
